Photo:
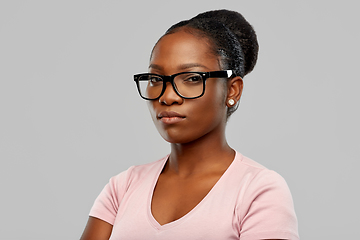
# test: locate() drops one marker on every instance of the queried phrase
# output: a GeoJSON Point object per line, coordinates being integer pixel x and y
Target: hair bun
{"type": "Point", "coordinates": [243, 31]}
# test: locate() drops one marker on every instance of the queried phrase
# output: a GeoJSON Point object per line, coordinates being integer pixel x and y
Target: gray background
{"type": "Point", "coordinates": [71, 117]}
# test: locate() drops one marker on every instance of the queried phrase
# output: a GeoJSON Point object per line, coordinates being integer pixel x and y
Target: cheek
{"type": "Point", "coordinates": [211, 109]}
{"type": "Point", "coordinates": [218, 102]}
{"type": "Point", "coordinates": [151, 108]}
{"type": "Point", "coordinates": [216, 95]}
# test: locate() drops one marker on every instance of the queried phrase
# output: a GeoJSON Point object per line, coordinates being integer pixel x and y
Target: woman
{"type": "Point", "coordinates": [203, 189]}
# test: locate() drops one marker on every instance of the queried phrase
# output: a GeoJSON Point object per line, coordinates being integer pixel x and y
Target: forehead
{"type": "Point", "coordinates": [183, 48]}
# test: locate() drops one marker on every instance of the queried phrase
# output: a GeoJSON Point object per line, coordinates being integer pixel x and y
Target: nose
{"type": "Point", "coordinates": [169, 96]}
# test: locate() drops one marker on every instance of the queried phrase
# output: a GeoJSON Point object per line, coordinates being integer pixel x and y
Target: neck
{"type": "Point", "coordinates": [207, 154]}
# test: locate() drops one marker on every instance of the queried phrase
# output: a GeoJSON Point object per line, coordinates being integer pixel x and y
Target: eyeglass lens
{"type": "Point", "coordinates": [188, 85]}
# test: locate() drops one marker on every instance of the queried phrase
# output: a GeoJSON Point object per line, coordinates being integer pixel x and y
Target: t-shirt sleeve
{"type": "Point", "coordinates": [107, 203]}
{"type": "Point", "coordinates": [267, 210]}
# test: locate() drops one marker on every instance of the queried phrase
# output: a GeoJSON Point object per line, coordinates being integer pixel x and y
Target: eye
{"type": "Point", "coordinates": [192, 78]}
{"type": "Point", "coordinates": [154, 80]}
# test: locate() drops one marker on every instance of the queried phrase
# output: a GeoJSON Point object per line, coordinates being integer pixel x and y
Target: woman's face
{"type": "Point", "coordinates": [181, 120]}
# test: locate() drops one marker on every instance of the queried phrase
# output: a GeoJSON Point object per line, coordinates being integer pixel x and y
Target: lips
{"type": "Point", "coordinates": [170, 117]}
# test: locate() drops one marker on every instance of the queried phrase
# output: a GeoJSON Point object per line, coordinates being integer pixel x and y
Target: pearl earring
{"type": "Point", "coordinates": [231, 102]}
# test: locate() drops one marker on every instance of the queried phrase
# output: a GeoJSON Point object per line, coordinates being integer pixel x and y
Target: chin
{"type": "Point", "coordinates": [179, 137]}
{"type": "Point", "coordinates": [176, 139]}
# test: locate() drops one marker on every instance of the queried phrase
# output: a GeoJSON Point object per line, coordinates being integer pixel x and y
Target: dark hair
{"type": "Point", "coordinates": [231, 37]}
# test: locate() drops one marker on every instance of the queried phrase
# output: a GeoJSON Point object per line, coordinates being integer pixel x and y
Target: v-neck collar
{"type": "Point", "coordinates": [154, 223]}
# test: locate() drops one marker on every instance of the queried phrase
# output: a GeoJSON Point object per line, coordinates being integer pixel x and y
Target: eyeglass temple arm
{"type": "Point", "coordinates": [225, 73]}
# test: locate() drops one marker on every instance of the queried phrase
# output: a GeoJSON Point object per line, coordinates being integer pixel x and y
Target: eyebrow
{"type": "Point", "coordinates": [191, 65]}
{"type": "Point", "coordinates": [155, 66]}
{"type": "Point", "coordinates": [181, 67]}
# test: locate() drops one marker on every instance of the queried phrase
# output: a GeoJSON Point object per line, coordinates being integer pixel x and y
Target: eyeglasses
{"type": "Point", "coordinates": [188, 85]}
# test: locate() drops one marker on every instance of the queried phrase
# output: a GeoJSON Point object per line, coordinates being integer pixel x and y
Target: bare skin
{"type": "Point", "coordinates": [96, 229]}
{"type": "Point", "coordinates": [199, 152]}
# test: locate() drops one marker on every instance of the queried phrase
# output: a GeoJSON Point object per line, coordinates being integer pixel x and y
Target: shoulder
{"type": "Point", "coordinates": [137, 172]}
{"type": "Point", "coordinates": [107, 203]}
{"type": "Point", "coordinates": [262, 184]}
{"type": "Point", "coordinates": [249, 162]}
{"type": "Point", "coordinates": [256, 172]}
{"type": "Point", "coordinates": [265, 205]}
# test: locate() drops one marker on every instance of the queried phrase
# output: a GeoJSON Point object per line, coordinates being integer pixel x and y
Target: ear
{"type": "Point", "coordinates": [235, 87]}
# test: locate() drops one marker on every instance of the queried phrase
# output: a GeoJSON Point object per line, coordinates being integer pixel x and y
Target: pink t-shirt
{"type": "Point", "coordinates": [248, 202]}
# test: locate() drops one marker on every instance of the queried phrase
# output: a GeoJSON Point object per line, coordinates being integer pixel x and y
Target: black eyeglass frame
{"type": "Point", "coordinates": [170, 79]}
